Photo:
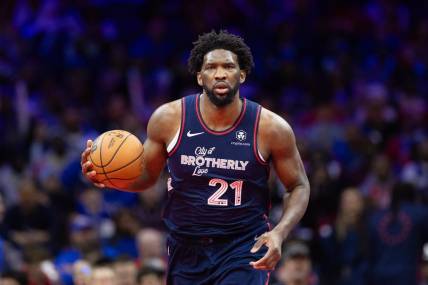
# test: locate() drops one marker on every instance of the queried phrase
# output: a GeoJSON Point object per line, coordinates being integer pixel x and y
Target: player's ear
{"type": "Point", "coordinates": [242, 76]}
{"type": "Point", "coordinates": [199, 78]}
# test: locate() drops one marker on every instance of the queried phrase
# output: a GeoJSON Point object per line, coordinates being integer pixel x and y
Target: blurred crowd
{"type": "Point", "coordinates": [351, 77]}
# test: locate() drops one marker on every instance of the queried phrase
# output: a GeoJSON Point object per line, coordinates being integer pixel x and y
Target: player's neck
{"type": "Point", "coordinates": [220, 118]}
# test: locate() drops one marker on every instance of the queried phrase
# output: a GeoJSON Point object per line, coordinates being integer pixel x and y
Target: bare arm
{"type": "Point", "coordinates": [279, 142]}
{"type": "Point", "coordinates": [161, 128]}
{"type": "Point", "coordinates": [289, 167]}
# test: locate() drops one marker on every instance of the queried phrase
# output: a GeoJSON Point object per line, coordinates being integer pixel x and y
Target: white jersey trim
{"type": "Point", "coordinates": [261, 156]}
{"type": "Point", "coordinates": [174, 141]}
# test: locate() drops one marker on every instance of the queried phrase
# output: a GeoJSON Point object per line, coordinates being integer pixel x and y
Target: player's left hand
{"type": "Point", "coordinates": [273, 240]}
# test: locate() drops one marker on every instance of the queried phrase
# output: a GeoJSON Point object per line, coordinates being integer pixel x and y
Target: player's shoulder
{"type": "Point", "coordinates": [274, 133]}
{"type": "Point", "coordinates": [168, 111]}
{"type": "Point", "coordinates": [165, 120]}
{"type": "Point", "coordinates": [273, 125]}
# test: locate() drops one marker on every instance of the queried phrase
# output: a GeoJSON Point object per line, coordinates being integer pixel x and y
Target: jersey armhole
{"type": "Point", "coordinates": [257, 153]}
{"type": "Point", "coordinates": [173, 145]}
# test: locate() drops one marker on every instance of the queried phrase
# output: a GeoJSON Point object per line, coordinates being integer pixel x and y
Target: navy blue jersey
{"type": "Point", "coordinates": [218, 180]}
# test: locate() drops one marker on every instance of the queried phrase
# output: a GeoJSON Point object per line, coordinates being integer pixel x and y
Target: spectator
{"type": "Point", "coordinates": [416, 170]}
{"type": "Point", "coordinates": [29, 223]}
{"type": "Point", "coordinates": [150, 244]}
{"type": "Point", "coordinates": [82, 272]}
{"type": "Point", "coordinates": [103, 275]}
{"type": "Point", "coordinates": [377, 185]}
{"type": "Point", "coordinates": [149, 209]}
{"type": "Point", "coordinates": [151, 275]}
{"type": "Point", "coordinates": [91, 205]}
{"type": "Point", "coordinates": [296, 268]}
{"type": "Point", "coordinates": [126, 228]}
{"type": "Point", "coordinates": [396, 238]}
{"type": "Point", "coordinates": [11, 175]}
{"type": "Point", "coordinates": [347, 241]}
{"type": "Point", "coordinates": [9, 256]}
{"type": "Point", "coordinates": [85, 244]}
{"type": "Point", "coordinates": [126, 271]}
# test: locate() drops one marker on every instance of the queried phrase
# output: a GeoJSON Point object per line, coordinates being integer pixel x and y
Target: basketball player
{"type": "Point", "coordinates": [218, 148]}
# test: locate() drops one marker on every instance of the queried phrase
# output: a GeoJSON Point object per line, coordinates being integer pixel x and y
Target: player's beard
{"type": "Point", "coordinates": [224, 100]}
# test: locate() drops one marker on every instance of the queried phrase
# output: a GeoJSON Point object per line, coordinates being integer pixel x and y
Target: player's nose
{"type": "Point", "coordinates": [220, 74]}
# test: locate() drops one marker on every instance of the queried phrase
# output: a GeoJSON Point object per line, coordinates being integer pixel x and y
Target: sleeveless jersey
{"type": "Point", "coordinates": [218, 180]}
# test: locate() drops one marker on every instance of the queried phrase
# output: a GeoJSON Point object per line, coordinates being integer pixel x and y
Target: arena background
{"type": "Point", "coordinates": [349, 76]}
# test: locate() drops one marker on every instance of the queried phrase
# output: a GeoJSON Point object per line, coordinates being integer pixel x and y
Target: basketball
{"type": "Point", "coordinates": [117, 158]}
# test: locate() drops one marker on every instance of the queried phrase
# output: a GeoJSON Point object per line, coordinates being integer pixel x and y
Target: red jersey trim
{"type": "Point", "coordinates": [255, 147]}
{"type": "Point", "coordinates": [268, 278]}
{"type": "Point", "coordinates": [183, 119]}
{"type": "Point", "coordinates": [206, 128]}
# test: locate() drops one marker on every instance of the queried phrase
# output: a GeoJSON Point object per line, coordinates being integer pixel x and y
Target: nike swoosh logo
{"type": "Point", "coordinates": [189, 134]}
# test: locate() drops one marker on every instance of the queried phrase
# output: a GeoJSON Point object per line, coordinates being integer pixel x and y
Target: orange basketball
{"type": "Point", "coordinates": [117, 158]}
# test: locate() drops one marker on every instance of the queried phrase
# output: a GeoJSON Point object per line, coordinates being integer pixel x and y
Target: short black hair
{"type": "Point", "coordinates": [221, 40]}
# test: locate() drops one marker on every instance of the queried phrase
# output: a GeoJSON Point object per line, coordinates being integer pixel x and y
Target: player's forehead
{"type": "Point", "coordinates": [220, 56]}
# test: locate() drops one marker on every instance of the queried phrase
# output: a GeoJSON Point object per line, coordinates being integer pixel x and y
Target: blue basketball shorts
{"type": "Point", "coordinates": [211, 261]}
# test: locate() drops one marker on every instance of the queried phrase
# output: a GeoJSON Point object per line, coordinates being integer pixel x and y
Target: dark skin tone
{"type": "Point", "coordinates": [220, 72]}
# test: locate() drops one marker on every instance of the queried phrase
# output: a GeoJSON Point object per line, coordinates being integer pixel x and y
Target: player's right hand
{"type": "Point", "coordinates": [87, 168]}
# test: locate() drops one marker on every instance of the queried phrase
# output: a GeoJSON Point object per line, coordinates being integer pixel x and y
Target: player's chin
{"type": "Point", "coordinates": [221, 95]}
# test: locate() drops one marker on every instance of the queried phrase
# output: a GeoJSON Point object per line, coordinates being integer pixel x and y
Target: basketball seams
{"type": "Point", "coordinates": [109, 158]}
{"type": "Point", "coordinates": [123, 166]}
{"type": "Point", "coordinates": [110, 179]}
{"type": "Point", "coordinates": [117, 149]}
{"type": "Point", "coordinates": [111, 182]}
{"type": "Point", "coordinates": [101, 159]}
{"type": "Point", "coordinates": [90, 153]}
{"type": "Point", "coordinates": [92, 161]}
{"type": "Point", "coordinates": [118, 178]}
